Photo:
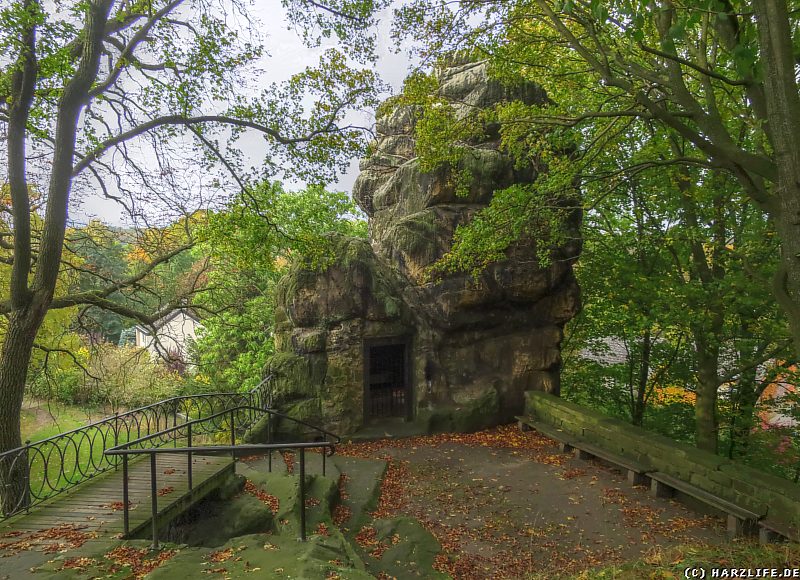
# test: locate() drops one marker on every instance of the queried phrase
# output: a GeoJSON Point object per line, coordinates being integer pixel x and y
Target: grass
{"type": "Point", "coordinates": [663, 563]}
{"type": "Point", "coordinates": [57, 465]}
{"type": "Point", "coordinates": [43, 419]}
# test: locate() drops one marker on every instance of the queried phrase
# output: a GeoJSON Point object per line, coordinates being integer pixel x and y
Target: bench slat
{"type": "Point", "coordinates": [624, 462]}
{"type": "Point", "coordinates": [705, 496]}
{"type": "Point", "coordinates": [771, 528]}
{"type": "Point", "coordinates": [547, 430]}
{"type": "Point", "coordinates": [740, 520]}
{"type": "Point", "coordinates": [573, 442]}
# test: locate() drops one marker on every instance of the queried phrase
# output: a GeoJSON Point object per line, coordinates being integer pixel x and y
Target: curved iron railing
{"type": "Point", "coordinates": [227, 423]}
{"type": "Point", "coordinates": [38, 471]}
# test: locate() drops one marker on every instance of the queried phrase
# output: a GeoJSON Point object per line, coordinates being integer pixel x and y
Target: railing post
{"type": "Point", "coordinates": [324, 455]}
{"type": "Point", "coordinates": [302, 494]}
{"type": "Point", "coordinates": [174, 423]}
{"type": "Point", "coordinates": [154, 499]}
{"type": "Point", "coordinates": [26, 497]}
{"type": "Point", "coordinates": [189, 454]}
{"type": "Point", "coordinates": [233, 435]}
{"type": "Point", "coordinates": [269, 440]}
{"type": "Point", "coordinates": [116, 438]}
{"type": "Point", "coordinates": [126, 528]}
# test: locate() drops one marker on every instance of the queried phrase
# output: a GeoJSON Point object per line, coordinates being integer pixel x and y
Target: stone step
{"type": "Point", "coordinates": [314, 466]}
{"type": "Point", "coordinates": [261, 463]}
{"type": "Point", "coordinates": [362, 486]}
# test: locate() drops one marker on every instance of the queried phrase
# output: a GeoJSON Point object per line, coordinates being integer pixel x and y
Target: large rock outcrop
{"type": "Point", "coordinates": [473, 346]}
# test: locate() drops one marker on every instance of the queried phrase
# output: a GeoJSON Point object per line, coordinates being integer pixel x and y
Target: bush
{"type": "Point", "coordinates": [128, 377]}
{"type": "Point", "coordinates": [65, 385]}
{"type": "Point", "coordinates": [115, 377]}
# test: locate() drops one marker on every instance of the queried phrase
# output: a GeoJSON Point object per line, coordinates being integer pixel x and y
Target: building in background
{"type": "Point", "coordinates": [169, 337]}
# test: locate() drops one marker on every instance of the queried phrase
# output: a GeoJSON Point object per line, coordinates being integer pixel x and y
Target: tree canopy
{"type": "Point", "coordinates": [250, 245]}
{"type": "Point", "coordinates": [146, 103]}
{"type": "Point", "coordinates": [717, 76]}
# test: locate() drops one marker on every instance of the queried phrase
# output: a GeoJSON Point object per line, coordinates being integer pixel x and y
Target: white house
{"type": "Point", "coordinates": [173, 333]}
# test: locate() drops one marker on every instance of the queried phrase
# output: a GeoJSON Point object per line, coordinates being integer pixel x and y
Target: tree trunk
{"type": "Point", "coordinates": [748, 387]}
{"type": "Point", "coordinates": [31, 301]}
{"type": "Point", "coordinates": [743, 412]}
{"type": "Point", "coordinates": [705, 408]}
{"type": "Point", "coordinates": [787, 280]}
{"type": "Point", "coordinates": [783, 113]}
{"type": "Point", "coordinates": [14, 360]}
{"type": "Point", "coordinates": [637, 416]}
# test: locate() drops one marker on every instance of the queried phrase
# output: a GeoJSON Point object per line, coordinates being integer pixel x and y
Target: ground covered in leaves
{"type": "Point", "coordinates": [506, 504]}
{"type": "Point", "coordinates": [495, 504]}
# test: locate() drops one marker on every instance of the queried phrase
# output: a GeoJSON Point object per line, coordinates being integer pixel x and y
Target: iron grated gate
{"type": "Point", "coordinates": [387, 384]}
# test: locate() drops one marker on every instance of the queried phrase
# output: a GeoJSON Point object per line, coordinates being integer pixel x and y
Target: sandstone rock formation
{"type": "Point", "coordinates": [471, 348]}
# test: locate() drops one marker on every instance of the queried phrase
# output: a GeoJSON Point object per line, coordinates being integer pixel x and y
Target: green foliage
{"type": "Point", "coordinates": [445, 141]}
{"type": "Point", "coordinates": [673, 280]}
{"type": "Point", "coordinates": [266, 227]}
{"type": "Point", "coordinates": [102, 255]}
{"type": "Point", "coordinates": [442, 136]}
{"type": "Point", "coordinates": [250, 244]}
{"type": "Point", "coordinates": [350, 21]}
{"type": "Point", "coordinates": [521, 213]}
{"type": "Point", "coordinates": [113, 377]}
{"type": "Point", "coordinates": [648, 106]}
{"type": "Point", "coordinates": [129, 377]}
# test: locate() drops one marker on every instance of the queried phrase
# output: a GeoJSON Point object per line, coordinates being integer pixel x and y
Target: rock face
{"type": "Point", "coordinates": [372, 337]}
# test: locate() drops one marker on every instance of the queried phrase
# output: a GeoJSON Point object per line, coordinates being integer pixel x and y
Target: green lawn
{"type": "Point", "coordinates": [58, 464]}
{"type": "Point", "coordinates": [43, 419]}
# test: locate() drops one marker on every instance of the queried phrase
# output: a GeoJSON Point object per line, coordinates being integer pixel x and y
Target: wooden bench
{"type": "Point", "coordinates": [741, 521]}
{"type": "Point", "coordinates": [774, 531]}
{"type": "Point", "coordinates": [636, 472]}
{"type": "Point", "coordinates": [582, 450]}
{"type": "Point", "coordinates": [565, 440]}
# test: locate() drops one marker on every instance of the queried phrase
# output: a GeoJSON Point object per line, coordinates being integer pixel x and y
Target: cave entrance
{"type": "Point", "coordinates": [387, 389]}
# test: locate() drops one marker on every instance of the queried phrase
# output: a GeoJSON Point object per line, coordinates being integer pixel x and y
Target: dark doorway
{"type": "Point", "coordinates": [387, 392]}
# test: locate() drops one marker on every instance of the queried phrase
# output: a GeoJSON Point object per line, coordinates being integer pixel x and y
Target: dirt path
{"type": "Point", "coordinates": [507, 504]}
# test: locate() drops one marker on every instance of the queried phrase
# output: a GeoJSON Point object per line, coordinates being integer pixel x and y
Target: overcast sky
{"type": "Point", "coordinates": [287, 56]}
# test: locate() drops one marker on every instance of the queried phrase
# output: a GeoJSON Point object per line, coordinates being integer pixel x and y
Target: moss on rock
{"type": "Point", "coordinates": [473, 415]}
{"type": "Point", "coordinates": [411, 550]}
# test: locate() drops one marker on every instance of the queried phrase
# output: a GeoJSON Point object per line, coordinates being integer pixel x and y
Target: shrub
{"type": "Point", "coordinates": [115, 377]}
{"type": "Point", "coordinates": [128, 377]}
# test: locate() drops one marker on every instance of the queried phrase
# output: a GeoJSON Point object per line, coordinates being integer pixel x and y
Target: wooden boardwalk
{"type": "Point", "coordinates": [96, 505]}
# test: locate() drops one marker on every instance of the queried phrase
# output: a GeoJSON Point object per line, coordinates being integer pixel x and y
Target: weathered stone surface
{"type": "Point", "coordinates": [305, 340]}
{"type": "Point", "coordinates": [482, 342]}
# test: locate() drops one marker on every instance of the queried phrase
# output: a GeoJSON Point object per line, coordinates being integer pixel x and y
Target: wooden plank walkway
{"type": "Point", "coordinates": [96, 505]}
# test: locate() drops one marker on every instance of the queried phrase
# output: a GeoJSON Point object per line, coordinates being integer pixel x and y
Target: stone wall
{"type": "Point", "coordinates": [730, 480]}
{"type": "Point", "coordinates": [476, 345]}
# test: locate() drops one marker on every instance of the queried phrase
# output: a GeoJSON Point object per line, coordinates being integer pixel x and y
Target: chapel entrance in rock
{"type": "Point", "coordinates": [387, 385]}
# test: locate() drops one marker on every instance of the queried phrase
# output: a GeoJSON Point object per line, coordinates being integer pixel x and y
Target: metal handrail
{"type": "Point", "coordinates": [124, 447]}
{"type": "Point", "coordinates": [234, 449]}
{"type": "Point", "coordinates": [213, 449]}
{"type": "Point", "coordinates": [138, 411]}
{"type": "Point", "coordinates": [44, 469]}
